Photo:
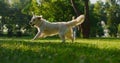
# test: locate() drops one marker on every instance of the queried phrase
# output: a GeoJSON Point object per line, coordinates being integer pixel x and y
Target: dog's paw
{"type": "Point", "coordinates": [33, 39]}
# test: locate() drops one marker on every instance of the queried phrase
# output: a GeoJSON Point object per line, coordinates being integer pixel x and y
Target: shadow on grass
{"type": "Point", "coordinates": [16, 51]}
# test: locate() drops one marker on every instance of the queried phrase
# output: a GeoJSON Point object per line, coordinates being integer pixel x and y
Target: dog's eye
{"type": "Point", "coordinates": [33, 19]}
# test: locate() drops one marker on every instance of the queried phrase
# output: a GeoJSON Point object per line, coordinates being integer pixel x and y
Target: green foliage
{"type": "Point", "coordinates": [108, 12]}
{"type": "Point", "coordinates": [3, 7]}
{"type": "Point", "coordinates": [96, 16]}
{"type": "Point", "coordinates": [24, 50]}
{"type": "Point", "coordinates": [98, 10]}
{"type": "Point", "coordinates": [118, 30]}
{"type": "Point", "coordinates": [113, 15]}
{"type": "Point", "coordinates": [113, 30]}
{"type": "Point", "coordinates": [53, 10]}
{"type": "Point", "coordinates": [12, 15]}
{"type": "Point", "coordinates": [19, 12]}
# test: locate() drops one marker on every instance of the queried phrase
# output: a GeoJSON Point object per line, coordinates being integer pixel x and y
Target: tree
{"type": "Point", "coordinates": [13, 15]}
{"type": "Point", "coordinates": [85, 29]}
{"type": "Point", "coordinates": [100, 15]}
{"type": "Point", "coordinates": [49, 9]}
{"type": "Point", "coordinates": [113, 15]}
{"type": "Point", "coordinates": [4, 9]}
{"type": "Point", "coordinates": [86, 24]}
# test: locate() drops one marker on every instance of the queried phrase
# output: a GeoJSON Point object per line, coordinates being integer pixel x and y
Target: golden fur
{"type": "Point", "coordinates": [64, 29]}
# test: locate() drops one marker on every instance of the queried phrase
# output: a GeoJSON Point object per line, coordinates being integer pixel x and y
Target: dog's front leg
{"type": "Point", "coordinates": [37, 35]}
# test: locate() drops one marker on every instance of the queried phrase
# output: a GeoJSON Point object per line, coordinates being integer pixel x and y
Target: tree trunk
{"type": "Point", "coordinates": [86, 24]}
{"type": "Point", "coordinates": [77, 13]}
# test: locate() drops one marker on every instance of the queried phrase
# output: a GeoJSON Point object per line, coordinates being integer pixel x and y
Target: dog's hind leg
{"type": "Point", "coordinates": [71, 38]}
{"type": "Point", "coordinates": [62, 36]}
{"type": "Point", "coordinates": [69, 35]}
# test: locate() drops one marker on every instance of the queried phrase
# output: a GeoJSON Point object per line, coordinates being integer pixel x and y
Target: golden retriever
{"type": "Point", "coordinates": [46, 28]}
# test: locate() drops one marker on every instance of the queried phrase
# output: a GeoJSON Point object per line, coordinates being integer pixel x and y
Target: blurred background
{"type": "Point", "coordinates": [104, 16]}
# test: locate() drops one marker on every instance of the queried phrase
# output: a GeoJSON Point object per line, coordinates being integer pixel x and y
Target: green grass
{"type": "Point", "coordinates": [24, 50]}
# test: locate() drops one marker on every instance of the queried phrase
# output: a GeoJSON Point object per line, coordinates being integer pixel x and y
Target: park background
{"type": "Point", "coordinates": [102, 20]}
{"type": "Point", "coordinates": [97, 38]}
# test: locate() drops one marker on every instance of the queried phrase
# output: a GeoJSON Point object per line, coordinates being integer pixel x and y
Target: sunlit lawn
{"type": "Point", "coordinates": [51, 50]}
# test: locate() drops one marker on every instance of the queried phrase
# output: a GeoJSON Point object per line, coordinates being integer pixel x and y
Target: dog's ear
{"type": "Point", "coordinates": [33, 14]}
{"type": "Point", "coordinates": [39, 17]}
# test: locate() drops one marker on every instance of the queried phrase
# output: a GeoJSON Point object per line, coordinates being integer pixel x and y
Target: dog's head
{"type": "Point", "coordinates": [35, 20]}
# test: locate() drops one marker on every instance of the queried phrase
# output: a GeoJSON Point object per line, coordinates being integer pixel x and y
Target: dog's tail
{"type": "Point", "coordinates": [77, 21]}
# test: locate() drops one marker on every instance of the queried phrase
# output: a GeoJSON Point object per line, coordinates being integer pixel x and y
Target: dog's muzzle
{"type": "Point", "coordinates": [30, 23]}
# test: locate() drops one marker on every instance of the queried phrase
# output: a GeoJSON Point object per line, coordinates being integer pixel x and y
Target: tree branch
{"type": "Point", "coordinates": [75, 7]}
